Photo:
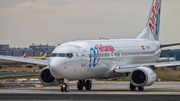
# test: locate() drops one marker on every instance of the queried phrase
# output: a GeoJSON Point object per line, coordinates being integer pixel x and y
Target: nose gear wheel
{"type": "Point", "coordinates": [64, 88]}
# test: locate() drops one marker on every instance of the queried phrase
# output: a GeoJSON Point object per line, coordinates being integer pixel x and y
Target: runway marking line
{"type": "Point", "coordinates": [174, 88]}
{"type": "Point", "coordinates": [38, 85]}
{"type": "Point", "coordinates": [158, 89]}
{"type": "Point", "coordinates": [96, 88]}
{"type": "Point", "coordinates": [113, 93]}
{"type": "Point", "coordinates": [110, 93]}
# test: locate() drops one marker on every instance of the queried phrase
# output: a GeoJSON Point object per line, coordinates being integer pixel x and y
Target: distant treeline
{"type": "Point", "coordinates": [171, 53]}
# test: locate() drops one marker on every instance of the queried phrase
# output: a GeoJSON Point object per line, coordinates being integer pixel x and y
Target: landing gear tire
{"type": "Point", "coordinates": [132, 88]}
{"type": "Point", "coordinates": [80, 84]}
{"type": "Point", "coordinates": [64, 88]}
{"type": "Point", "coordinates": [88, 85]}
{"type": "Point", "coordinates": [141, 88]}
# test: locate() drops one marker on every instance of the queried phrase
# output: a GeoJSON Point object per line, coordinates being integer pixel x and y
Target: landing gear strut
{"type": "Point", "coordinates": [82, 83]}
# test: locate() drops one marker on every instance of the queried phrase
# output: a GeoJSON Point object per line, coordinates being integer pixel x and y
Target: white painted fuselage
{"type": "Point", "coordinates": [98, 58]}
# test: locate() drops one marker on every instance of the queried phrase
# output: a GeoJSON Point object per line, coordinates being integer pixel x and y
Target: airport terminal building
{"type": "Point", "coordinates": [33, 50]}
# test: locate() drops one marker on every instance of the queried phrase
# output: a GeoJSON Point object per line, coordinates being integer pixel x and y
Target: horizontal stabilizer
{"type": "Point", "coordinates": [104, 38]}
{"type": "Point", "coordinates": [169, 44]}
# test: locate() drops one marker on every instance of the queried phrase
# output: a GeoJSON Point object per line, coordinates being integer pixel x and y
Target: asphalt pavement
{"type": "Point", "coordinates": [5, 74]}
{"type": "Point", "coordinates": [86, 97]}
{"type": "Point", "coordinates": [101, 90]}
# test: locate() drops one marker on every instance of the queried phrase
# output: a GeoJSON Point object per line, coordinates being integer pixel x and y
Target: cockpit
{"type": "Point", "coordinates": [68, 55]}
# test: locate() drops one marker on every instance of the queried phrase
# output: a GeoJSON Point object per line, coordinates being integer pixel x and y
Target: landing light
{"type": "Point", "coordinates": [117, 67]}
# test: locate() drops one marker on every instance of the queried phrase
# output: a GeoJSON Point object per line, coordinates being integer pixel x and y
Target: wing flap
{"type": "Point", "coordinates": [167, 64]}
{"type": "Point", "coordinates": [162, 64]}
{"type": "Point", "coordinates": [26, 60]}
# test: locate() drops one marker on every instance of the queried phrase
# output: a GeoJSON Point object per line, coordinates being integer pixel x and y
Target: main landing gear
{"type": "Point", "coordinates": [82, 83]}
{"type": "Point", "coordinates": [133, 88]}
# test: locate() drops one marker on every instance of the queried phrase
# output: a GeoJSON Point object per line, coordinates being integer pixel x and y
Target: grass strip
{"type": "Point", "coordinates": [2, 85]}
{"type": "Point", "coordinates": [23, 76]}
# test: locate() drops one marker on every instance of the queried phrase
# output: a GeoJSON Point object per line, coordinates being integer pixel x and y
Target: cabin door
{"type": "Point", "coordinates": [83, 58]}
{"type": "Point", "coordinates": [121, 59]}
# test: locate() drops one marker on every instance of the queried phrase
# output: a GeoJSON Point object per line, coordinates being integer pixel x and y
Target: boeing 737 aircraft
{"type": "Point", "coordinates": [104, 59]}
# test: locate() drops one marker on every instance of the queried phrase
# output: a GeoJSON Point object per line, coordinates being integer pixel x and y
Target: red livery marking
{"type": "Point", "coordinates": [154, 11]}
{"type": "Point", "coordinates": [105, 48]}
{"type": "Point", "coordinates": [143, 47]}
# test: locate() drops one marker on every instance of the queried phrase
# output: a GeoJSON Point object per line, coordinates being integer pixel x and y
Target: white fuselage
{"type": "Point", "coordinates": [96, 58]}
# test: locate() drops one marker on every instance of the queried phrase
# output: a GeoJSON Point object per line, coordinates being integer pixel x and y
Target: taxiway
{"type": "Point", "coordinates": [101, 90]}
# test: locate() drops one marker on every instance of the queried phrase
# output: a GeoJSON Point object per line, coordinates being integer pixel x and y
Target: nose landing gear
{"type": "Point", "coordinates": [64, 88]}
{"type": "Point", "coordinates": [82, 83]}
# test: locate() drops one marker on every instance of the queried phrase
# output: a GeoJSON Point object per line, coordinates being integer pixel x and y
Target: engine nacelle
{"type": "Point", "coordinates": [142, 76]}
{"type": "Point", "coordinates": [46, 78]}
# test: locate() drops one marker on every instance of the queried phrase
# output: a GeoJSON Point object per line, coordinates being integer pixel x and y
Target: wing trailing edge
{"type": "Point", "coordinates": [130, 68]}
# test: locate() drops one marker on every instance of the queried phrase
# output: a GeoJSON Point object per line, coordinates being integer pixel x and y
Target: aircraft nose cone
{"type": "Point", "coordinates": [55, 65]}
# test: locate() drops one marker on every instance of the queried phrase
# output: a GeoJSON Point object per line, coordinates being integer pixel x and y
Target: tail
{"type": "Point", "coordinates": [44, 56]}
{"type": "Point", "coordinates": [24, 55]}
{"type": "Point", "coordinates": [151, 31]}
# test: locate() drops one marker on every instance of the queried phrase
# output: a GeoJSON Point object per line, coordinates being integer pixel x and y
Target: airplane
{"type": "Point", "coordinates": [24, 55]}
{"type": "Point", "coordinates": [42, 57]}
{"type": "Point", "coordinates": [106, 59]}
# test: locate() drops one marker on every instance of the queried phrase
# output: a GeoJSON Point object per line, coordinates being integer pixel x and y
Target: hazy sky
{"type": "Point", "coordinates": [23, 22]}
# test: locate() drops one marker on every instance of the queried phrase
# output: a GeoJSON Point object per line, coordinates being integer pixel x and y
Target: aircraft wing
{"type": "Point", "coordinates": [165, 64]}
{"type": "Point", "coordinates": [26, 60]}
{"type": "Point", "coordinates": [130, 68]}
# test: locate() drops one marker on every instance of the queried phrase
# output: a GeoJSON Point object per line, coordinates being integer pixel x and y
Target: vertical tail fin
{"type": "Point", "coordinates": [151, 31]}
{"type": "Point", "coordinates": [24, 55]}
{"type": "Point", "coordinates": [44, 56]}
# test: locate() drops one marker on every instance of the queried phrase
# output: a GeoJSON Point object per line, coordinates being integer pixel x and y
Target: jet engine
{"type": "Point", "coordinates": [142, 76]}
{"type": "Point", "coordinates": [46, 78]}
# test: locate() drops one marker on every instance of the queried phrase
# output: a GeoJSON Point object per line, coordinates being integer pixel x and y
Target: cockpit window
{"type": "Point", "coordinates": [61, 55]}
{"type": "Point", "coordinates": [68, 55]}
{"type": "Point", "coordinates": [53, 54]}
